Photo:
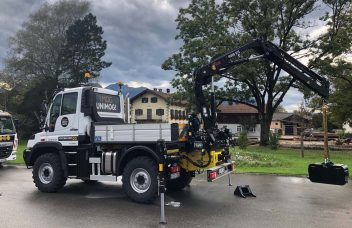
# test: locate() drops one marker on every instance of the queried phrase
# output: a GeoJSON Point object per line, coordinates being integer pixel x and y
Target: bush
{"type": "Point", "coordinates": [274, 140]}
{"type": "Point", "coordinates": [242, 140]}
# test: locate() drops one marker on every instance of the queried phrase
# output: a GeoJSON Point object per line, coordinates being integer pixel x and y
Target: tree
{"type": "Point", "coordinates": [280, 108]}
{"type": "Point", "coordinates": [34, 67]}
{"type": "Point", "coordinates": [303, 111]}
{"type": "Point", "coordinates": [83, 50]}
{"type": "Point", "coordinates": [35, 50]}
{"type": "Point", "coordinates": [332, 50]}
{"type": "Point", "coordinates": [207, 28]}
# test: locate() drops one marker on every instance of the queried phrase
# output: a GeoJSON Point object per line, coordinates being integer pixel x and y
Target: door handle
{"type": "Point", "coordinates": [73, 129]}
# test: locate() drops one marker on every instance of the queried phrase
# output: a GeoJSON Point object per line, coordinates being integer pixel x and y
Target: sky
{"type": "Point", "coordinates": [140, 35]}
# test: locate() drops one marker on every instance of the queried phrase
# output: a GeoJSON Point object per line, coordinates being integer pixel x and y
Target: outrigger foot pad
{"type": "Point", "coordinates": [243, 191]}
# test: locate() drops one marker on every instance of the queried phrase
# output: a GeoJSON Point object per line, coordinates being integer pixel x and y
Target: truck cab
{"type": "Point", "coordinates": [8, 138]}
{"type": "Point", "coordinates": [72, 111]}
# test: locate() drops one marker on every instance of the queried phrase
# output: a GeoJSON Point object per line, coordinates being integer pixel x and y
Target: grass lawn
{"type": "Point", "coordinates": [257, 159]}
{"type": "Point", "coordinates": [20, 149]}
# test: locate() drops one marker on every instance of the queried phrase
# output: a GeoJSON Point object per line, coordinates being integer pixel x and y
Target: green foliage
{"type": "Point", "coordinates": [274, 140]}
{"type": "Point", "coordinates": [331, 51]}
{"type": "Point", "coordinates": [242, 140]}
{"type": "Point", "coordinates": [283, 160]}
{"type": "Point", "coordinates": [34, 68]}
{"type": "Point", "coordinates": [35, 51]}
{"type": "Point", "coordinates": [83, 50]}
{"type": "Point", "coordinates": [52, 49]}
{"type": "Point", "coordinates": [317, 122]}
{"type": "Point", "coordinates": [244, 158]}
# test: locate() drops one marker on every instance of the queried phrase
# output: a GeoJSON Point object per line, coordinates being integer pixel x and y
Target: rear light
{"type": "Point", "coordinates": [212, 175]}
{"type": "Point", "coordinates": [175, 169]}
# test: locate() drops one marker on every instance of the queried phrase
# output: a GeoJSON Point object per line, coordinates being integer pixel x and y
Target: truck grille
{"type": "Point", "coordinates": [5, 152]}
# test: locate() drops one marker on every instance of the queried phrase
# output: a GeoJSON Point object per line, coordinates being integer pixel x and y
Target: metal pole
{"type": "Point", "coordinates": [162, 192]}
{"type": "Point", "coordinates": [162, 209]}
{"type": "Point", "coordinates": [302, 145]}
{"type": "Point", "coordinates": [325, 125]}
{"type": "Point", "coordinates": [230, 181]}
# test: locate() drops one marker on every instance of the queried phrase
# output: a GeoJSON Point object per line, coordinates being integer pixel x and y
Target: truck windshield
{"type": "Point", "coordinates": [6, 125]}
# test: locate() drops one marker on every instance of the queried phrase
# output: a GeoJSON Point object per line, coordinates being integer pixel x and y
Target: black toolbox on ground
{"type": "Point", "coordinates": [328, 173]}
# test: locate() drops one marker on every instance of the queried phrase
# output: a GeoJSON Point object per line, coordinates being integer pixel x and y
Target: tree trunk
{"type": "Point", "coordinates": [265, 121]}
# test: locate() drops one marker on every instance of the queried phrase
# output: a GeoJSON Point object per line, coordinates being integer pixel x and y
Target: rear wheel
{"type": "Point", "coordinates": [180, 182]}
{"type": "Point", "coordinates": [48, 174]}
{"type": "Point", "coordinates": [140, 181]}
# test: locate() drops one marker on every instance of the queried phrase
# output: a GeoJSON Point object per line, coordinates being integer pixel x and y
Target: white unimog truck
{"type": "Point", "coordinates": [8, 138]}
{"type": "Point", "coordinates": [86, 137]}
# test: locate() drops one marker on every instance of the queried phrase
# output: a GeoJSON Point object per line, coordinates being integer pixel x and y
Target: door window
{"type": "Point", "coordinates": [69, 104]}
{"type": "Point", "coordinates": [54, 112]}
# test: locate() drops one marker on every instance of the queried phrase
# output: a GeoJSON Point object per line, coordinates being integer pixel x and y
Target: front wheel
{"type": "Point", "coordinates": [140, 181]}
{"type": "Point", "coordinates": [48, 174]}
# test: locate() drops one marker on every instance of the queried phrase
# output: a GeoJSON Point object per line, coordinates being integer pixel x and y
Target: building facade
{"type": "Point", "coordinates": [156, 106]}
{"type": "Point", "coordinates": [238, 118]}
{"type": "Point", "coordinates": [288, 124]}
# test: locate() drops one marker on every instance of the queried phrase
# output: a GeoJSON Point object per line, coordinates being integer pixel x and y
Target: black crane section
{"type": "Point", "coordinates": [265, 49]}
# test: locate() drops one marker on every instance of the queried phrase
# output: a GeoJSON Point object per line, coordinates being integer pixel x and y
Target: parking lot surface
{"type": "Point", "coordinates": [280, 202]}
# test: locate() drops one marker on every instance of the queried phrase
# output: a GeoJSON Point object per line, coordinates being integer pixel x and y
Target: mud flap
{"type": "Point", "coordinates": [244, 191]}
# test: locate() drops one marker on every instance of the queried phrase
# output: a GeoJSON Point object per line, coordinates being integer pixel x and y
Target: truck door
{"type": "Point", "coordinates": [63, 121]}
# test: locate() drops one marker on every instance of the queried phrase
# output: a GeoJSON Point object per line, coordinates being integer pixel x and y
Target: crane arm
{"type": "Point", "coordinates": [265, 49]}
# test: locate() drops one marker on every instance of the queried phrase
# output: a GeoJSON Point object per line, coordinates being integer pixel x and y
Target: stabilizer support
{"type": "Point", "coordinates": [243, 191]}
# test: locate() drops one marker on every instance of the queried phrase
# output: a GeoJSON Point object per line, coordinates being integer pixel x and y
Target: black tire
{"type": "Point", "coordinates": [139, 167]}
{"type": "Point", "coordinates": [90, 182]}
{"type": "Point", "coordinates": [52, 178]}
{"type": "Point", "coordinates": [180, 183]}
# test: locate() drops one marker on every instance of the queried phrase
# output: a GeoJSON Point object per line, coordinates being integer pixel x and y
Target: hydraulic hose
{"type": "Point", "coordinates": [197, 164]}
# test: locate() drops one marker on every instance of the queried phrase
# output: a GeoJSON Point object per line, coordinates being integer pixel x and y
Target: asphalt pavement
{"type": "Point", "coordinates": [280, 202]}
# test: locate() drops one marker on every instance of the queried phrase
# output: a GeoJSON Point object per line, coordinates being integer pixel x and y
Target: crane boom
{"type": "Point", "coordinates": [267, 50]}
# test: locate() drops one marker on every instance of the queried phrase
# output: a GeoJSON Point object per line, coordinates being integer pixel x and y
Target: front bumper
{"type": "Point", "coordinates": [12, 157]}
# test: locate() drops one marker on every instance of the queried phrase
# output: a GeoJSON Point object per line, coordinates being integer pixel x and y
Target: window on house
{"type": "Point", "coordinates": [145, 100]}
{"type": "Point", "coordinates": [172, 113]}
{"type": "Point", "coordinates": [276, 123]}
{"type": "Point", "coordinates": [184, 114]}
{"type": "Point", "coordinates": [160, 112]}
{"type": "Point", "coordinates": [154, 100]}
{"type": "Point", "coordinates": [239, 128]}
{"type": "Point", "coordinates": [69, 104]}
{"type": "Point", "coordinates": [138, 112]}
{"type": "Point", "coordinates": [176, 114]}
{"type": "Point", "coordinates": [252, 129]}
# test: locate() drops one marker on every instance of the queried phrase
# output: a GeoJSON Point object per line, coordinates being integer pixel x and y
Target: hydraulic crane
{"type": "Point", "coordinates": [323, 173]}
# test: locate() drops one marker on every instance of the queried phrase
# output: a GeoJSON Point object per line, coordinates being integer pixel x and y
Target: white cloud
{"type": "Point", "coordinates": [160, 85]}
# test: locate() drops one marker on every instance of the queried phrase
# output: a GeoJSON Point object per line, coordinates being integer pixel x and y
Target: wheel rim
{"type": "Point", "coordinates": [46, 173]}
{"type": "Point", "coordinates": [140, 180]}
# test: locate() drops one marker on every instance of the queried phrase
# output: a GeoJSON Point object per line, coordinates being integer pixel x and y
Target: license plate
{"type": "Point", "coordinates": [221, 170]}
{"type": "Point", "coordinates": [2, 160]}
